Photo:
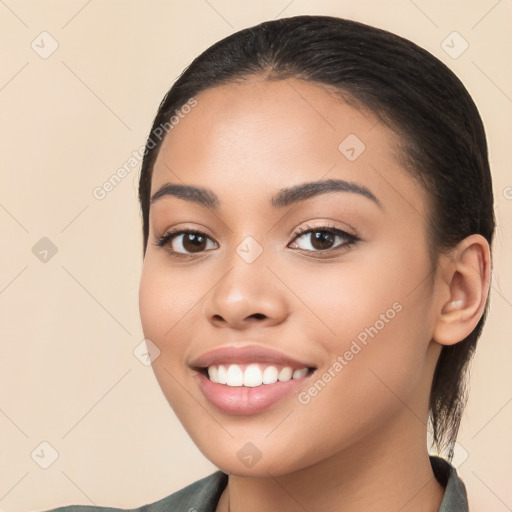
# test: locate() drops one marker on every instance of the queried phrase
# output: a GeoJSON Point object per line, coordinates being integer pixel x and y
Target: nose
{"type": "Point", "coordinates": [249, 295]}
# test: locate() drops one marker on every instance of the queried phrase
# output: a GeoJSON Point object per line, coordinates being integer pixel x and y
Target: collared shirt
{"type": "Point", "coordinates": [203, 495]}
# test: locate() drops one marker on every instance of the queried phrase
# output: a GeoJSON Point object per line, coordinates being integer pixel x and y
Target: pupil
{"type": "Point", "coordinates": [193, 242]}
{"type": "Point", "coordinates": [322, 240]}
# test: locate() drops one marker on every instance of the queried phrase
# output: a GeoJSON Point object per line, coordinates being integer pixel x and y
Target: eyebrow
{"type": "Point", "coordinates": [283, 198]}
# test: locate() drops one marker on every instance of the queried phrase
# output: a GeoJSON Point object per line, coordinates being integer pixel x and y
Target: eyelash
{"type": "Point", "coordinates": [350, 239]}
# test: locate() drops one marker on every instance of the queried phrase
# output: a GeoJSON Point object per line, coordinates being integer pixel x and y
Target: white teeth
{"type": "Point", "coordinates": [297, 374]}
{"type": "Point", "coordinates": [212, 373]}
{"type": "Point", "coordinates": [221, 374]}
{"type": "Point", "coordinates": [234, 376]}
{"type": "Point", "coordinates": [253, 376]}
{"type": "Point", "coordinates": [270, 375]}
{"type": "Point", "coordinates": [285, 374]}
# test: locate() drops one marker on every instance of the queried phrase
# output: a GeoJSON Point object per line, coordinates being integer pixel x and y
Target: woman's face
{"type": "Point", "coordinates": [357, 307]}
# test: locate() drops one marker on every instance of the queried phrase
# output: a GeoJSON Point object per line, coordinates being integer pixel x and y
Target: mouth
{"type": "Point", "coordinates": [248, 379]}
{"type": "Point", "coordinates": [247, 389]}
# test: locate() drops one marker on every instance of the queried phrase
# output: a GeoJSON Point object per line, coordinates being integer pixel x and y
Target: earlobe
{"type": "Point", "coordinates": [466, 279]}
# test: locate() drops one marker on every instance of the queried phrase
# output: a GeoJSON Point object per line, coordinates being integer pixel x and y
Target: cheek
{"type": "Point", "coordinates": [170, 307]}
{"type": "Point", "coordinates": [346, 300]}
{"type": "Point", "coordinates": [163, 305]}
{"type": "Point", "coordinates": [374, 322]}
{"type": "Point", "coordinates": [370, 378]}
{"type": "Point", "coordinates": [167, 300]}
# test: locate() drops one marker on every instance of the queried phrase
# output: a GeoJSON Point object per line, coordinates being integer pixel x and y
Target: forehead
{"type": "Point", "coordinates": [262, 134]}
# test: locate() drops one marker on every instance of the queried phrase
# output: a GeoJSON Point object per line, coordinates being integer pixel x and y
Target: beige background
{"type": "Point", "coordinates": [69, 325]}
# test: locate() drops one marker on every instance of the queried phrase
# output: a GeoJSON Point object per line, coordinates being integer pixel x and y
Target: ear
{"type": "Point", "coordinates": [465, 281]}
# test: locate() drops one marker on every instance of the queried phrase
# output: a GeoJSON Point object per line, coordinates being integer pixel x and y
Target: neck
{"type": "Point", "coordinates": [385, 473]}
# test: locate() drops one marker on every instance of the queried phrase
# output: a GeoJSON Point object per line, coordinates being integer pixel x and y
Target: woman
{"type": "Point", "coordinates": [318, 221]}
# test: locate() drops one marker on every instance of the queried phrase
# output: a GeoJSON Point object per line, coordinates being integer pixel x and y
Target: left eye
{"type": "Point", "coordinates": [322, 239]}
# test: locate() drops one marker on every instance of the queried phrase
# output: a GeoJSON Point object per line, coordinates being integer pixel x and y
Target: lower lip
{"type": "Point", "coordinates": [244, 400]}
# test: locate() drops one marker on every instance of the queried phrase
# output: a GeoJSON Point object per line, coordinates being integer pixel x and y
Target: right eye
{"type": "Point", "coordinates": [185, 242]}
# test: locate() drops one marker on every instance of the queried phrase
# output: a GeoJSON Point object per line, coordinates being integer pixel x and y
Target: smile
{"type": "Point", "coordinates": [237, 398]}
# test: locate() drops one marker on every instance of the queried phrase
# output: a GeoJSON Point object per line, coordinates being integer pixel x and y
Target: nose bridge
{"type": "Point", "coordinates": [247, 278]}
{"type": "Point", "coordinates": [248, 289]}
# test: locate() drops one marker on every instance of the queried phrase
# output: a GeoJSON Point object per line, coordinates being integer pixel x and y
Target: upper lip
{"type": "Point", "coordinates": [245, 355]}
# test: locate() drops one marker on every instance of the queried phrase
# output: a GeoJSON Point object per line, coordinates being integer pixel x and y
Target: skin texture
{"type": "Point", "coordinates": [361, 441]}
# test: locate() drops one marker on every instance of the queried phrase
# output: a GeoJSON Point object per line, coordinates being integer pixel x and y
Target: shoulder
{"type": "Point", "coordinates": [200, 496]}
{"type": "Point", "coordinates": [455, 498]}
